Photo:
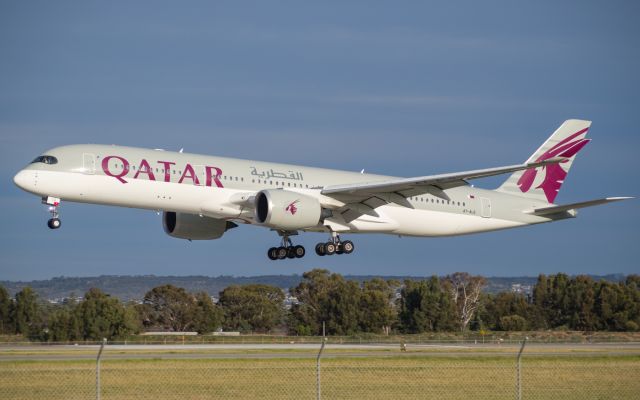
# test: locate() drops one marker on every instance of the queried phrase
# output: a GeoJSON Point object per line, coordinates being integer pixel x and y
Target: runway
{"type": "Point", "coordinates": [303, 350]}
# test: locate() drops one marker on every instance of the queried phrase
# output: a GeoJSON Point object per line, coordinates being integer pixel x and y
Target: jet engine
{"type": "Point", "coordinates": [194, 227]}
{"type": "Point", "coordinates": [286, 210]}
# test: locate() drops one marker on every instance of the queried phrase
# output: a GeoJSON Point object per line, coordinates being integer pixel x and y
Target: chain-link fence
{"type": "Point", "coordinates": [352, 372]}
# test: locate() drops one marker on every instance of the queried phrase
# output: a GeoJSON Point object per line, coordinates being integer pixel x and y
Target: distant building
{"type": "Point", "coordinates": [520, 288]}
{"type": "Point", "coordinates": [290, 301]}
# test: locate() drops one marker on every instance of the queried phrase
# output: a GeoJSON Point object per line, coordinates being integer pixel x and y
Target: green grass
{"type": "Point", "coordinates": [409, 376]}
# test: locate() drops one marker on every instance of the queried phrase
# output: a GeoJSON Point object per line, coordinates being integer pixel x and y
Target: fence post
{"type": "Point", "coordinates": [324, 339]}
{"type": "Point", "coordinates": [519, 371]}
{"type": "Point", "coordinates": [104, 341]}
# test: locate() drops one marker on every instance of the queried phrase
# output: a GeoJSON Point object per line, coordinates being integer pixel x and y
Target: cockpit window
{"type": "Point", "coordinates": [45, 160]}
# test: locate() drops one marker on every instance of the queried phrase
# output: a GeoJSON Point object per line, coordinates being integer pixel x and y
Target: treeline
{"type": "Point", "coordinates": [453, 303]}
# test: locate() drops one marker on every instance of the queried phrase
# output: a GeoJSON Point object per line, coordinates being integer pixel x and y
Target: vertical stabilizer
{"type": "Point", "coordinates": [543, 183]}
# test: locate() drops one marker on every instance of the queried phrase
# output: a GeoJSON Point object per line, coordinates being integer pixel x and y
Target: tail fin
{"type": "Point", "coordinates": [543, 183]}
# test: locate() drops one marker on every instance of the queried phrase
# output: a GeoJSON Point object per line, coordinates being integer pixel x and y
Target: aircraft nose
{"type": "Point", "coordinates": [24, 179]}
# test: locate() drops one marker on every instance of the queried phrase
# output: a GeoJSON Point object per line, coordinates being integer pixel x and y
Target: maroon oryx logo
{"type": "Point", "coordinates": [292, 207]}
{"type": "Point", "coordinates": [554, 174]}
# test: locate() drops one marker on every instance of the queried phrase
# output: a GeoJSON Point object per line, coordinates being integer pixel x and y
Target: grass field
{"type": "Point", "coordinates": [407, 376]}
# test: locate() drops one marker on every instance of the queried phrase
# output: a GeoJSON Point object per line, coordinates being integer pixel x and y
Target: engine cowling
{"type": "Point", "coordinates": [283, 209]}
{"type": "Point", "coordinates": [194, 227]}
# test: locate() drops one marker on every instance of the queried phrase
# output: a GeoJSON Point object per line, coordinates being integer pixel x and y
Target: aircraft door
{"type": "Point", "coordinates": [485, 211]}
{"type": "Point", "coordinates": [89, 163]}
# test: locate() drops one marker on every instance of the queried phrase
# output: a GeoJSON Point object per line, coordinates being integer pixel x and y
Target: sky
{"type": "Point", "coordinates": [396, 88]}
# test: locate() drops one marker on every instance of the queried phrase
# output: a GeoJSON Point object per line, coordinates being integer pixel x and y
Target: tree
{"type": "Point", "coordinates": [64, 325]}
{"type": "Point", "coordinates": [207, 317]}
{"type": "Point", "coordinates": [101, 316]}
{"type": "Point", "coordinates": [344, 306]}
{"type": "Point", "coordinates": [581, 304]}
{"type": "Point", "coordinates": [632, 290]}
{"type": "Point", "coordinates": [168, 307]}
{"type": "Point", "coordinates": [252, 308]}
{"type": "Point", "coordinates": [6, 325]}
{"type": "Point", "coordinates": [558, 301]}
{"type": "Point", "coordinates": [513, 323]}
{"type": "Point", "coordinates": [425, 306]}
{"type": "Point", "coordinates": [25, 312]}
{"type": "Point", "coordinates": [465, 291]}
{"type": "Point", "coordinates": [377, 313]}
{"type": "Point", "coordinates": [306, 317]}
{"type": "Point", "coordinates": [506, 304]}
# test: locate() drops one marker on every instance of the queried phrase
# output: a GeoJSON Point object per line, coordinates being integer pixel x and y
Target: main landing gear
{"type": "Point", "coordinates": [335, 246]}
{"type": "Point", "coordinates": [53, 203]}
{"type": "Point", "coordinates": [286, 249]}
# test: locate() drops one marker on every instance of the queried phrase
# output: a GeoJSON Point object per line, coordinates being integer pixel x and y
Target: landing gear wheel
{"type": "Point", "coordinates": [281, 253]}
{"type": "Point", "coordinates": [54, 223]}
{"type": "Point", "coordinates": [286, 248]}
{"type": "Point", "coordinates": [53, 203]}
{"type": "Point", "coordinates": [320, 249]}
{"type": "Point", "coordinates": [329, 248]}
{"type": "Point", "coordinates": [347, 247]}
{"type": "Point", "coordinates": [291, 252]}
{"type": "Point", "coordinates": [299, 251]}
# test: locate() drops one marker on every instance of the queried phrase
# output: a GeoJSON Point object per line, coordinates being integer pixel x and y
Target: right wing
{"type": "Point", "coordinates": [363, 198]}
{"type": "Point", "coordinates": [434, 184]}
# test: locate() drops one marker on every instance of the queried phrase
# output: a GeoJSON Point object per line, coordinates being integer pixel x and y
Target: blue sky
{"type": "Point", "coordinates": [399, 88]}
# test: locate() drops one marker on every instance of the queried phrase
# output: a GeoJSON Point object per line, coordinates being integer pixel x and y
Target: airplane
{"type": "Point", "coordinates": [201, 197]}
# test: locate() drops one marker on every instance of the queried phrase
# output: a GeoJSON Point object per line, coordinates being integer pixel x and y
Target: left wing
{"type": "Point", "coordinates": [433, 184]}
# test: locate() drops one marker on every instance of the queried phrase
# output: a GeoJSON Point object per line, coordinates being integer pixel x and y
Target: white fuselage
{"type": "Point", "coordinates": [224, 188]}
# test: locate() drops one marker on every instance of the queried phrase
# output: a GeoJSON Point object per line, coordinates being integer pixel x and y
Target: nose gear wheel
{"type": "Point", "coordinates": [53, 203]}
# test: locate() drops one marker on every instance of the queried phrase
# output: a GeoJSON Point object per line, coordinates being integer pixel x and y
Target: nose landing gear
{"type": "Point", "coordinates": [286, 249]}
{"type": "Point", "coordinates": [335, 246]}
{"type": "Point", "coordinates": [53, 203]}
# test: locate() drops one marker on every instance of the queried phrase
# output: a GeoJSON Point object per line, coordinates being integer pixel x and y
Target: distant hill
{"type": "Point", "coordinates": [134, 287]}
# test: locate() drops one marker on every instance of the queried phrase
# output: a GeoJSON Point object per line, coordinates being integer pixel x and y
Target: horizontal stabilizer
{"type": "Point", "coordinates": [573, 206]}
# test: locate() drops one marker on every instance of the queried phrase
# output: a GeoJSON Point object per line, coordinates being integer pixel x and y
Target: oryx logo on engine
{"type": "Point", "coordinates": [292, 207]}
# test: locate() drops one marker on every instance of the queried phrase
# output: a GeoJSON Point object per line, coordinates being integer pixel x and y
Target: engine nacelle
{"type": "Point", "coordinates": [286, 210]}
{"type": "Point", "coordinates": [194, 227]}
